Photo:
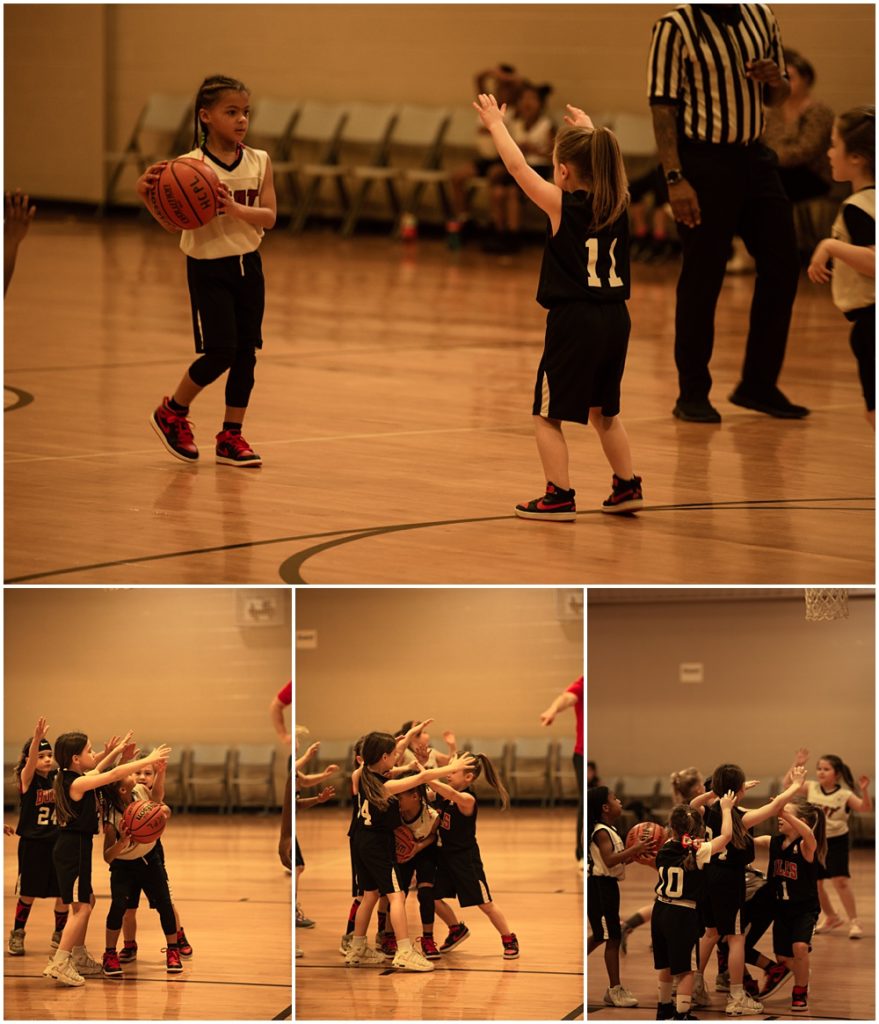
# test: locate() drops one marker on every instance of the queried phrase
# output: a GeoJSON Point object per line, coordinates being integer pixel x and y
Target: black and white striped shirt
{"type": "Point", "coordinates": [698, 61]}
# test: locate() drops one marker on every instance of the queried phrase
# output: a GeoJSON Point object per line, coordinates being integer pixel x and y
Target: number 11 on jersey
{"type": "Point", "coordinates": [592, 278]}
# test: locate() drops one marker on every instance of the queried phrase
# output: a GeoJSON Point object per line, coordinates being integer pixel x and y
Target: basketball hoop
{"type": "Point", "coordinates": [826, 603]}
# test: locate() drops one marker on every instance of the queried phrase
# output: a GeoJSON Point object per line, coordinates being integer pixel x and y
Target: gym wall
{"type": "Point", "coordinates": [77, 76]}
{"type": "Point", "coordinates": [772, 683]}
{"type": "Point", "coordinates": [483, 662]}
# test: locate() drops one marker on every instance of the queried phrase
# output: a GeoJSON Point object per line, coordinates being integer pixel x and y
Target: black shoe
{"type": "Point", "coordinates": [684, 1016]}
{"type": "Point", "coordinates": [555, 504]}
{"type": "Point", "coordinates": [665, 1011]}
{"type": "Point", "coordinates": [625, 497]}
{"type": "Point", "coordinates": [696, 412]}
{"type": "Point", "coordinates": [774, 403]}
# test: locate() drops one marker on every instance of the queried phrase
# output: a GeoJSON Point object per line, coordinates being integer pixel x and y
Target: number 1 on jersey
{"type": "Point", "coordinates": [592, 278]}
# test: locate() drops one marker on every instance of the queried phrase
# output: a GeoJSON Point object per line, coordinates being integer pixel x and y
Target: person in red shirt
{"type": "Point", "coordinates": [572, 697]}
{"type": "Point", "coordinates": [284, 699]}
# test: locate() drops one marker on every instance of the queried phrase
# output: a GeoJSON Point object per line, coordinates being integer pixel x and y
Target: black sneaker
{"type": "Point", "coordinates": [457, 934]}
{"type": "Point", "coordinates": [626, 496]}
{"type": "Point", "coordinates": [511, 946]}
{"type": "Point", "coordinates": [175, 432]}
{"type": "Point", "coordinates": [555, 504]}
{"type": "Point", "coordinates": [800, 999]}
{"type": "Point", "coordinates": [665, 1011]}
{"type": "Point", "coordinates": [684, 1016]}
{"type": "Point", "coordinates": [696, 412]}
{"type": "Point", "coordinates": [172, 960]}
{"type": "Point", "coordinates": [183, 944]}
{"type": "Point", "coordinates": [773, 403]}
{"type": "Point", "coordinates": [128, 952]}
{"type": "Point", "coordinates": [775, 977]}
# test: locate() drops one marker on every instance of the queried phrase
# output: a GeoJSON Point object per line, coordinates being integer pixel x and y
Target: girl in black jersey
{"type": "Point", "coordinates": [373, 845]}
{"type": "Point", "coordinates": [794, 858]}
{"type": "Point", "coordinates": [76, 808]}
{"type": "Point", "coordinates": [724, 897]}
{"type": "Point", "coordinates": [584, 283]}
{"type": "Point", "coordinates": [675, 924]}
{"type": "Point", "coordinates": [37, 829]}
{"type": "Point", "coordinates": [460, 871]}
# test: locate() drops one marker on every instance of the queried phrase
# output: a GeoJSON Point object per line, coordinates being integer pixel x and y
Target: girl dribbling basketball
{"type": "Point", "coordinates": [224, 271]}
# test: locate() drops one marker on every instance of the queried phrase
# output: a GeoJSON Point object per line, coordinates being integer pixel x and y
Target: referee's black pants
{"type": "Point", "coordinates": [739, 192]}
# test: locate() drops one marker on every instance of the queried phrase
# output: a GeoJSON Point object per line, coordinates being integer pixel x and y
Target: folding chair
{"type": "Point", "coordinates": [315, 135]}
{"type": "Point", "coordinates": [367, 127]}
{"type": "Point", "coordinates": [530, 763]}
{"type": "Point", "coordinates": [271, 128]}
{"type": "Point", "coordinates": [162, 130]}
{"type": "Point", "coordinates": [207, 766]}
{"type": "Point", "coordinates": [11, 757]}
{"type": "Point", "coordinates": [418, 131]}
{"type": "Point", "coordinates": [253, 768]}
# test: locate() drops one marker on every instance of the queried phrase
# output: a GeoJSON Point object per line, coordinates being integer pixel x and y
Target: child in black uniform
{"type": "Point", "coordinates": [373, 845]}
{"type": "Point", "coordinates": [675, 923]}
{"type": "Point", "coordinates": [584, 283]}
{"type": "Point", "coordinates": [38, 830]}
{"type": "Point", "coordinates": [76, 808]}
{"type": "Point", "coordinates": [460, 870]}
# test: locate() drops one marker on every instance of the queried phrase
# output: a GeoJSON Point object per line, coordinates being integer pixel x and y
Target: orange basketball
{"type": "Point", "coordinates": [144, 821]}
{"type": "Point", "coordinates": [404, 842]}
{"type": "Point", "coordinates": [185, 196]}
{"type": "Point", "coordinates": [648, 832]}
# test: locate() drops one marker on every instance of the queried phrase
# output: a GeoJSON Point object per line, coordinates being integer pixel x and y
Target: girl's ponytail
{"type": "Point", "coordinates": [484, 766]}
{"type": "Point", "coordinates": [813, 816]}
{"type": "Point", "coordinates": [841, 768]}
{"type": "Point", "coordinates": [375, 746]}
{"type": "Point", "coordinates": [610, 186]}
{"type": "Point", "coordinates": [67, 746]}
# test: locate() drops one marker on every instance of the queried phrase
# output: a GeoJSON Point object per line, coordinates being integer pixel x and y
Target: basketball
{"type": "Point", "coordinates": [404, 842]}
{"type": "Point", "coordinates": [144, 821]}
{"type": "Point", "coordinates": [648, 832]}
{"type": "Point", "coordinates": [185, 197]}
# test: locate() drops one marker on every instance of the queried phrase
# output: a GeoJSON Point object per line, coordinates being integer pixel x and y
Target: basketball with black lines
{"type": "Point", "coordinates": [185, 196]}
{"type": "Point", "coordinates": [144, 821]}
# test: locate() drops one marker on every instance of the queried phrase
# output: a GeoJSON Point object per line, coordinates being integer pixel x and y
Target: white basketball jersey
{"type": "Point", "coordinates": [423, 824]}
{"type": "Point", "coordinates": [852, 290]}
{"type": "Point", "coordinates": [834, 805]}
{"type": "Point", "coordinates": [229, 236]}
{"type": "Point", "coordinates": [599, 868]}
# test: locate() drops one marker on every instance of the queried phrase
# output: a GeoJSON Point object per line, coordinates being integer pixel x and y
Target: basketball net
{"type": "Point", "coordinates": [826, 603]}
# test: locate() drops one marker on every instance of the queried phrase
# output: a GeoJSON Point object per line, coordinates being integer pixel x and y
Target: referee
{"type": "Point", "coordinates": [712, 68]}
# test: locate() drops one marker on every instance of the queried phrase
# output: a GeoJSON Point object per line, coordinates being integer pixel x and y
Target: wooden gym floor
{"type": "Point", "coordinates": [233, 896]}
{"type": "Point", "coordinates": [392, 410]}
{"type": "Point", "coordinates": [533, 877]}
{"type": "Point", "coordinates": [842, 983]}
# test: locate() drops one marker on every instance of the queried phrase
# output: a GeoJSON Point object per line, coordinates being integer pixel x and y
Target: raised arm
{"type": "Point", "coordinates": [809, 844]}
{"type": "Point", "coordinates": [111, 755]}
{"type": "Point", "coordinates": [452, 744]}
{"type": "Point", "coordinates": [754, 817]}
{"type": "Point", "coordinates": [158, 791]}
{"type": "Point", "coordinates": [543, 193]}
{"type": "Point", "coordinates": [801, 758]}
{"type": "Point", "coordinates": [466, 801]}
{"type": "Point", "coordinates": [565, 700]}
{"type": "Point", "coordinates": [703, 799]}
{"type": "Point", "coordinates": [393, 786]}
{"type": "Point", "coordinates": [307, 756]}
{"type": "Point", "coordinates": [404, 741]}
{"type": "Point", "coordinates": [318, 777]}
{"type": "Point", "coordinates": [718, 843]}
{"type": "Point", "coordinates": [863, 802]}
{"type": "Point", "coordinates": [30, 765]}
{"type": "Point", "coordinates": [95, 779]}
{"type": "Point", "coordinates": [276, 713]}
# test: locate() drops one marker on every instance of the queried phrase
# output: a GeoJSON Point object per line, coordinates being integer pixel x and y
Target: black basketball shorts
{"type": "Point", "coordinates": [836, 861]}
{"type": "Point", "coordinates": [460, 875]}
{"type": "Point", "coordinates": [863, 343]}
{"type": "Point", "coordinates": [423, 867]}
{"type": "Point", "coordinates": [603, 907]}
{"type": "Point", "coordinates": [36, 869]}
{"type": "Point", "coordinates": [227, 296]}
{"type": "Point", "coordinates": [584, 356]}
{"type": "Point", "coordinates": [374, 861]}
{"type": "Point", "coordinates": [675, 932]}
{"type": "Point", "coordinates": [793, 923]}
{"type": "Point", "coordinates": [72, 857]}
{"type": "Point", "coordinates": [723, 901]}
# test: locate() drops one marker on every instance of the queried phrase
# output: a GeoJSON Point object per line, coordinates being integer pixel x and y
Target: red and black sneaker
{"type": "Point", "coordinates": [800, 998]}
{"type": "Point", "coordinates": [457, 934]}
{"type": "Point", "coordinates": [388, 944]}
{"type": "Point", "coordinates": [183, 944]}
{"type": "Point", "coordinates": [110, 964]}
{"type": "Point", "coordinates": [129, 951]}
{"type": "Point", "coordinates": [511, 946]}
{"type": "Point", "coordinates": [750, 986]}
{"type": "Point", "coordinates": [775, 977]}
{"type": "Point", "coordinates": [172, 960]}
{"type": "Point", "coordinates": [175, 432]}
{"type": "Point", "coordinates": [625, 497]}
{"type": "Point", "coordinates": [428, 948]}
{"type": "Point", "coordinates": [556, 504]}
{"type": "Point", "coordinates": [233, 450]}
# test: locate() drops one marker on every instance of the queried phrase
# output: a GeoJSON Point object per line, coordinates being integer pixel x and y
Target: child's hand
{"type": "Point", "coordinates": [150, 178]}
{"type": "Point", "coordinates": [129, 752]}
{"type": "Point", "coordinates": [801, 756]}
{"type": "Point", "coordinates": [8, 830]}
{"type": "Point", "coordinates": [419, 727]}
{"type": "Point", "coordinates": [728, 800]}
{"type": "Point", "coordinates": [449, 738]}
{"type": "Point", "coordinates": [751, 783]}
{"type": "Point", "coordinates": [40, 729]}
{"type": "Point", "coordinates": [330, 769]}
{"type": "Point", "coordinates": [819, 272]}
{"type": "Point", "coordinates": [636, 849]}
{"type": "Point", "coordinates": [421, 751]}
{"type": "Point", "coordinates": [798, 775]}
{"type": "Point", "coordinates": [326, 794]}
{"type": "Point", "coordinates": [160, 753]}
{"type": "Point", "coordinates": [578, 118]}
{"type": "Point", "coordinates": [462, 761]}
{"type": "Point", "coordinates": [489, 112]}
{"type": "Point", "coordinates": [17, 217]}
{"type": "Point", "coordinates": [863, 781]}
{"type": "Point", "coordinates": [226, 203]}
{"type": "Point", "coordinates": [312, 750]}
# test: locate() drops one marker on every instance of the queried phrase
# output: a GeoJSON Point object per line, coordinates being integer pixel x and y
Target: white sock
{"type": "Point", "coordinates": [61, 955]}
{"type": "Point", "coordinates": [683, 1003]}
{"type": "Point", "coordinates": [736, 991]}
{"type": "Point", "coordinates": [404, 945]}
{"type": "Point", "coordinates": [358, 942]}
{"type": "Point", "coordinates": [665, 988]}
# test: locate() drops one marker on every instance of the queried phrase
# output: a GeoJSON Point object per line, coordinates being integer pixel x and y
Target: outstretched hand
{"type": "Point", "coordinates": [578, 118]}
{"type": "Point", "coordinates": [17, 216]}
{"type": "Point", "coordinates": [728, 800]}
{"type": "Point", "coordinates": [489, 111]}
{"type": "Point", "coordinates": [819, 271]}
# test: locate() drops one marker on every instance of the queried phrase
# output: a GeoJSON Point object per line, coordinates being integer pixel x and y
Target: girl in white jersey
{"type": "Point", "coordinates": [853, 245]}
{"type": "Point", "coordinates": [224, 272]}
{"type": "Point", "coordinates": [835, 793]}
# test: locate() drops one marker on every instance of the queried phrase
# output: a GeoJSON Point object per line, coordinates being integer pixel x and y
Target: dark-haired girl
{"type": "Point", "coordinates": [460, 872]}
{"type": "Point", "coordinates": [724, 898]}
{"type": "Point", "coordinates": [224, 272]}
{"type": "Point", "coordinates": [76, 808]}
{"type": "Point", "coordinates": [584, 285]}
{"type": "Point", "coordinates": [675, 925]}
{"type": "Point", "coordinates": [37, 829]}
{"type": "Point", "coordinates": [373, 847]}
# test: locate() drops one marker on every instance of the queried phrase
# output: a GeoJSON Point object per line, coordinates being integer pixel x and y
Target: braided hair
{"type": "Point", "coordinates": [208, 94]}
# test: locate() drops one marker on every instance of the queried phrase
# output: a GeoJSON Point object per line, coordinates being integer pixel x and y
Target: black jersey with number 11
{"type": "Point", "coordinates": [580, 264]}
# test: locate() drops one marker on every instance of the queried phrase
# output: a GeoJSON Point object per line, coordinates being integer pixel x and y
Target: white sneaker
{"type": "Point", "coordinates": [743, 1005]}
{"type": "Point", "coordinates": [345, 944]}
{"type": "Point", "coordinates": [86, 966]}
{"type": "Point", "coordinates": [826, 924]}
{"type": "Point", "coordinates": [700, 995]}
{"type": "Point", "coordinates": [365, 957]}
{"type": "Point", "coordinates": [63, 971]}
{"type": "Point", "coordinates": [854, 929]}
{"type": "Point", "coordinates": [619, 996]}
{"type": "Point", "coordinates": [411, 960]}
